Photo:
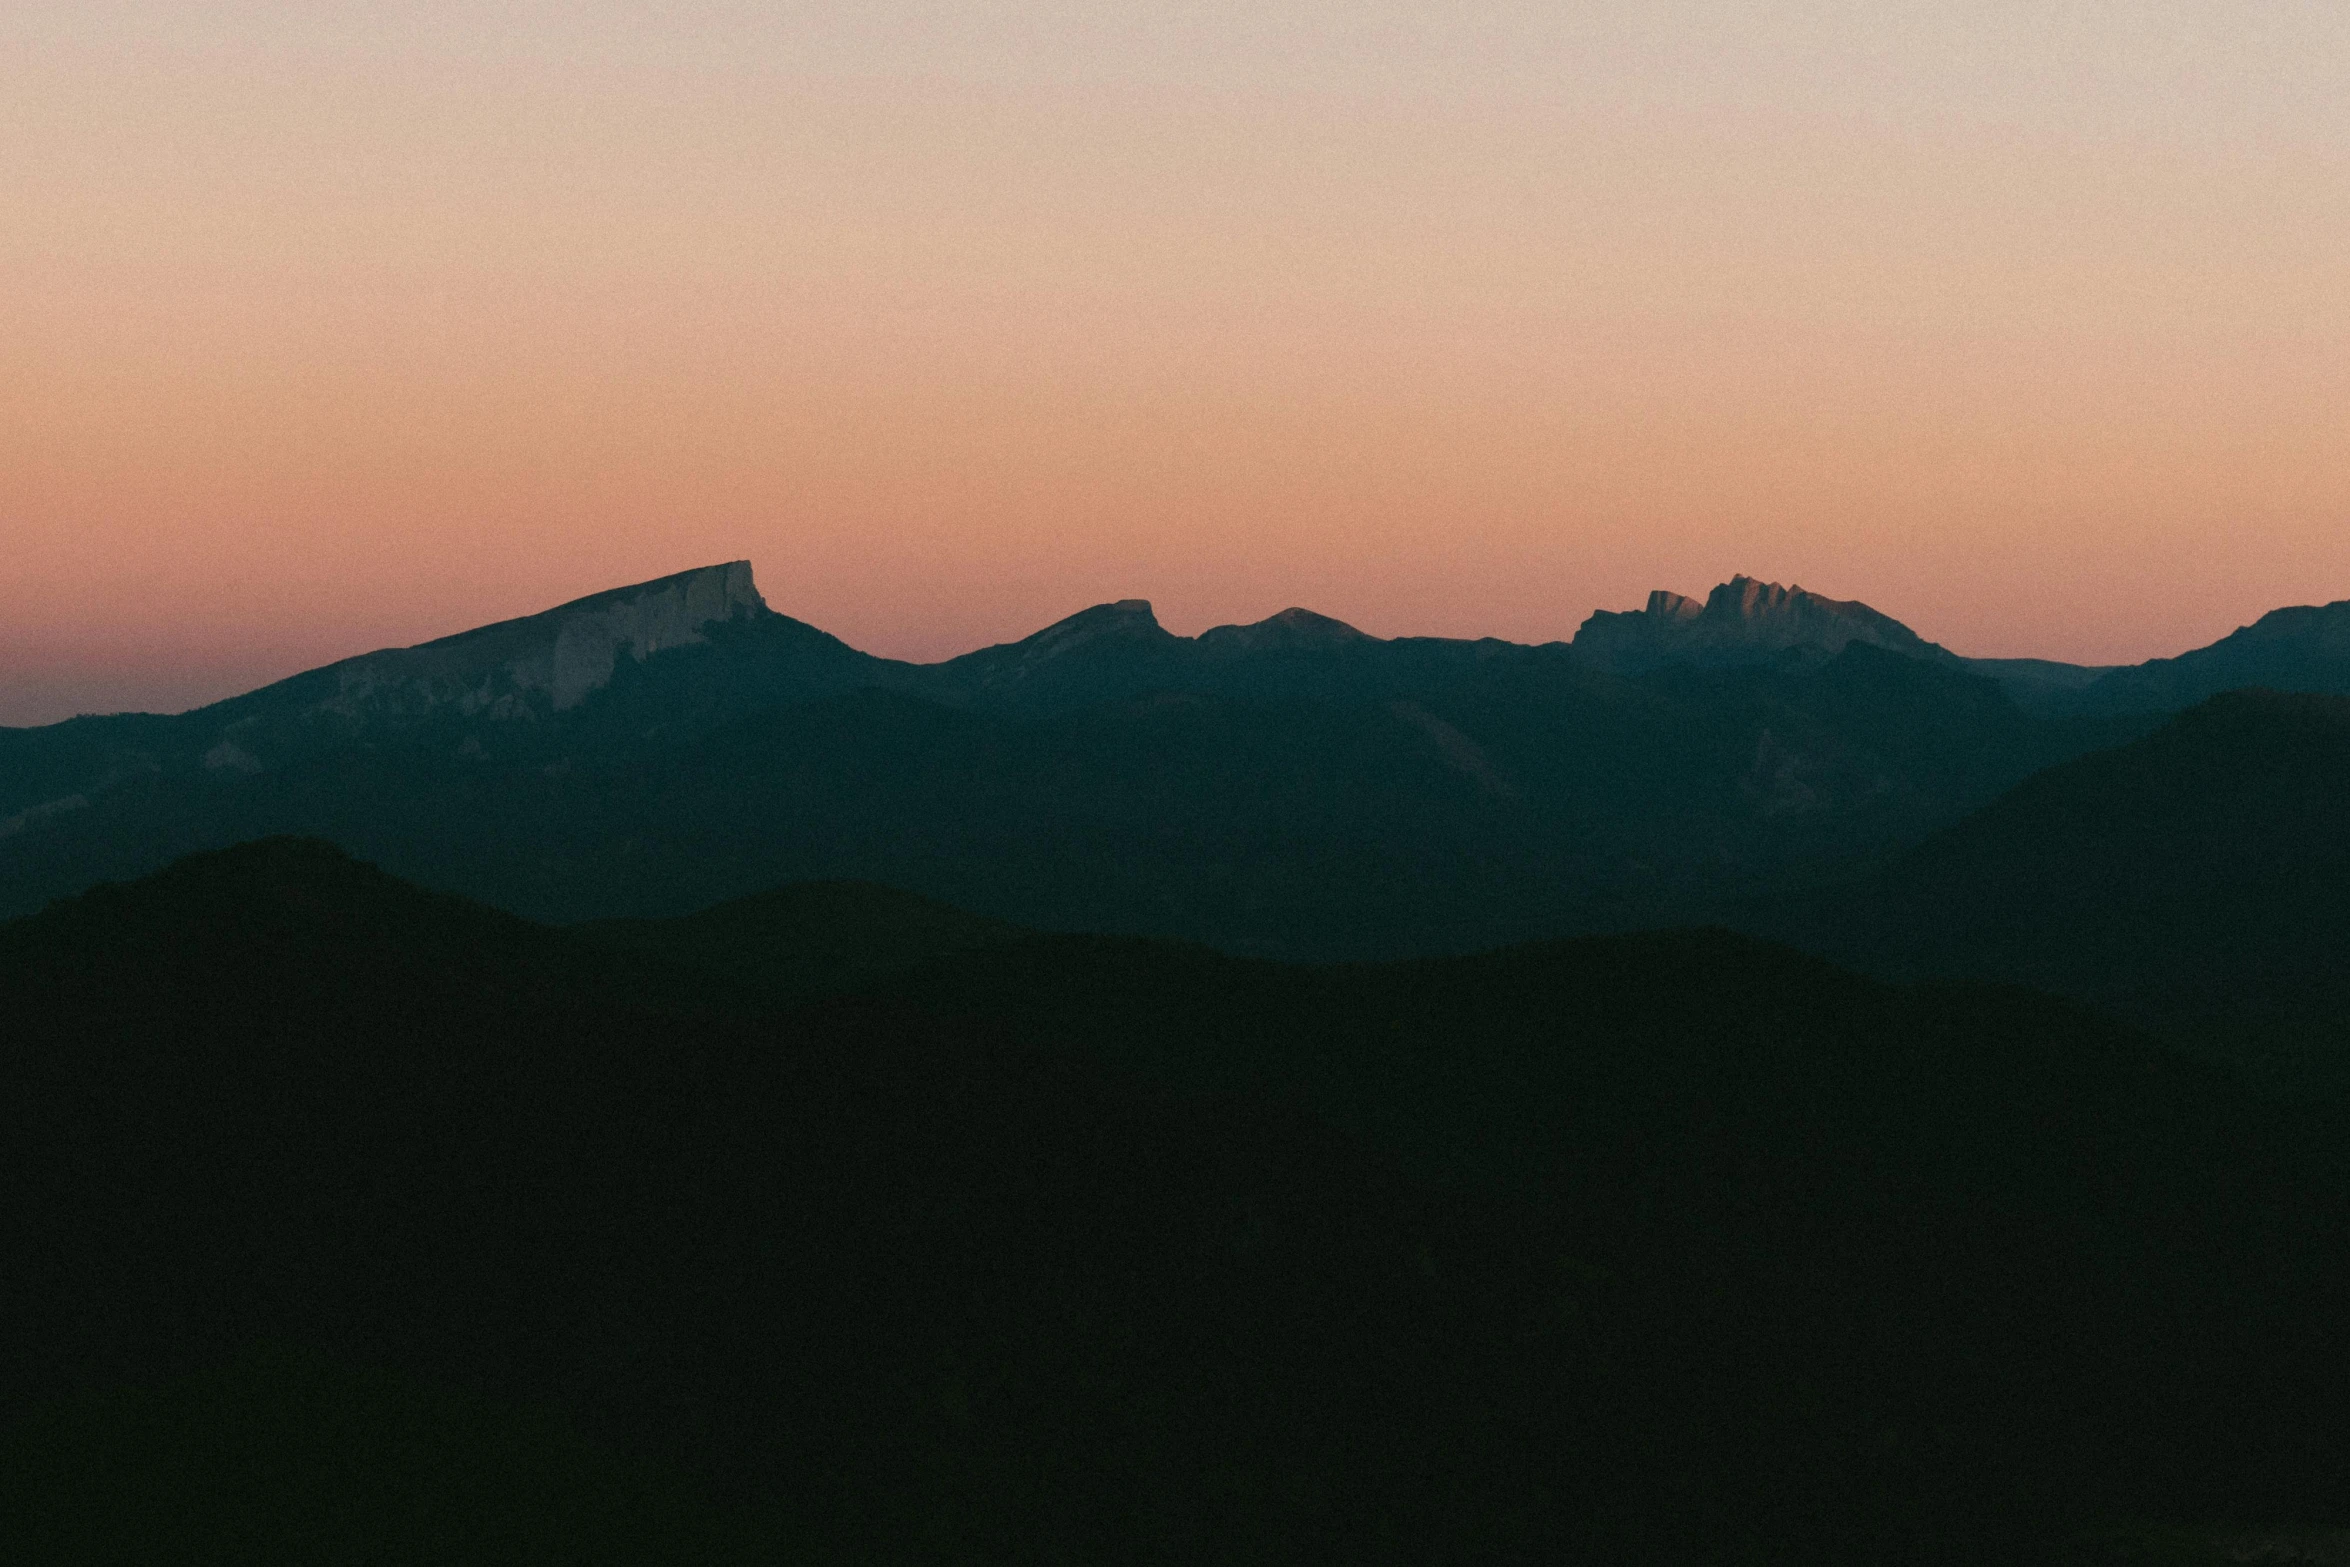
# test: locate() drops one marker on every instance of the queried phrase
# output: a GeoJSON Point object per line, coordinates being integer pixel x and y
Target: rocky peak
{"type": "Point", "coordinates": [1743, 620]}
{"type": "Point", "coordinates": [1766, 613]}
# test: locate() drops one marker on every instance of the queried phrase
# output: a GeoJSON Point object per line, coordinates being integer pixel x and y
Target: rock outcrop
{"type": "Point", "coordinates": [1742, 621]}
{"type": "Point", "coordinates": [555, 659]}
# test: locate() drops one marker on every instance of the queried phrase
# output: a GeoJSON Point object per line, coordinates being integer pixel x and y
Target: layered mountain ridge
{"type": "Point", "coordinates": [554, 661]}
{"type": "Point", "coordinates": [1291, 787]}
{"type": "Point", "coordinates": [808, 1157]}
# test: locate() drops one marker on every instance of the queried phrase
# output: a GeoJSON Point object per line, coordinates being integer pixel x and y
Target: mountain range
{"type": "Point", "coordinates": [650, 1082]}
{"type": "Point", "coordinates": [1293, 787]}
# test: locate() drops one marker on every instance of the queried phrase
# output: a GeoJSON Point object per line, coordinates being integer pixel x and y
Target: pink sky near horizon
{"type": "Point", "coordinates": [2024, 324]}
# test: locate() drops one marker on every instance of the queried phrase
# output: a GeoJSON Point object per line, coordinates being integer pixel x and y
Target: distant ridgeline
{"type": "Point", "coordinates": [1293, 787]}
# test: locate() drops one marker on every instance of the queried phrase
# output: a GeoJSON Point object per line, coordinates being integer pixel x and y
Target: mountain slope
{"type": "Point", "coordinates": [2303, 649]}
{"type": "Point", "coordinates": [503, 690]}
{"type": "Point", "coordinates": [2197, 880]}
{"type": "Point", "coordinates": [1290, 788]}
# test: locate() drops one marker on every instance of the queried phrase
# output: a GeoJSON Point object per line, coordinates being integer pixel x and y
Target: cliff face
{"type": "Point", "coordinates": [556, 658]}
{"type": "Point", "coordinates": [491, 695]}
{"type": "Point", "coordinates": [1741, 621]}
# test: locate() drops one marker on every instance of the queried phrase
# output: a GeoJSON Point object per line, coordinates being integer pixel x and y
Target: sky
{"type": "Point", "coordinates": [327, 328]}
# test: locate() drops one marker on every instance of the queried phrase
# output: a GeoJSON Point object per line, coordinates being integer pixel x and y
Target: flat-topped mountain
{"type": "Point", "coordinates": [545, 663]}
{"type": "Point", "coordinates": [551, 663]}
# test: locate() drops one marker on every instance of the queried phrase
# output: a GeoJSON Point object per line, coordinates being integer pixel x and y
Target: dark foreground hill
{"type": "Point", "coordinates": [2196, 882]}
{"type": "Point", "coordinates": [805, 939]}
{"type": "Point", "coordinates": [1673, 1248]}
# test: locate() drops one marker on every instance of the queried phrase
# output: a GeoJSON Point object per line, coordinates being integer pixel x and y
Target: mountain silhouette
{"type": "Point", "coordinates": [651, 1076]}
{"type": "Point", "coordinates": [1290, 788]}
{"type": "Point", "coordinates": [1293, 787]}
{"type": "Point", "coordinates": [1742, 621]}
{"type": "Point", "coordinates": [2304, 649]}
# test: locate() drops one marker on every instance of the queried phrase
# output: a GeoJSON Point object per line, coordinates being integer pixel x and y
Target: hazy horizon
{"type": "Point", "coordinates": [327, 331]}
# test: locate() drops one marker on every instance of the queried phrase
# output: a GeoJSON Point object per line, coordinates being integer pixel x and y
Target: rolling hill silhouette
{"type": "Point", "coordinates": [1673, 1248]}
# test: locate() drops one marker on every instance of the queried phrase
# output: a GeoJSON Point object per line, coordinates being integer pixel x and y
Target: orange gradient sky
{"type": "Point", "coordinates": [2027, 323]}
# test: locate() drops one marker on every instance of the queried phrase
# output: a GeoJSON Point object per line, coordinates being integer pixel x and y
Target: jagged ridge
{"type": "Point", "coordinates": [1741, 621]}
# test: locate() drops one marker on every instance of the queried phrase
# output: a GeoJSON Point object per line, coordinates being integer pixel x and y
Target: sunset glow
{"type": "Point", "coordinates": [2024, 323]}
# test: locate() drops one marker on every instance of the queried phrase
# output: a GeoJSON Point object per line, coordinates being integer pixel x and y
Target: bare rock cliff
{"type": "Point", "coordinates": [1742, 620]}
{"type": "Point", "coordinates": [555, 659]}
